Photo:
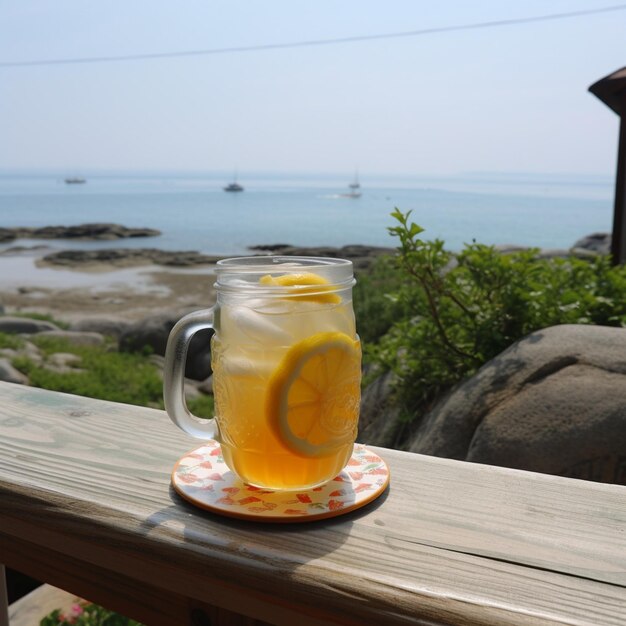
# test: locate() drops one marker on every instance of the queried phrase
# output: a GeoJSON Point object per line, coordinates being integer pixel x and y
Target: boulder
{"type": "Point", "coordinates": [14, 325]}
{"type": "Point", "coordinates": [6, 235]}
{"type": "Point", "coordinates": [153, 332]}
{"type": "Point", "coordinates": [553, 402]}
{"type": "Point", "coordinates": [104, 326]}
{"type": "Point", "coordinates": [9, 374]}
{"type": "Point", "coordinates": [600, 243]}
{"type": "Point", "coordinates": [376, 401]}
{"type": "Point", "coordinates": [31, 352]}
{"type": "Point", "coordinates": [76, 338]}
{"type": "Point", "coordinates": [206, 386]}
{"type": "Point", "coordinates": [63, 363]}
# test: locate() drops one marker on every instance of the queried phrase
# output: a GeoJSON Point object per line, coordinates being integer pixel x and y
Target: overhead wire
{"type": "Point", "coordinates": [314, 42]}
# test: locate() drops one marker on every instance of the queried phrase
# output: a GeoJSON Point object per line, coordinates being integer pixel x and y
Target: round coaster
{"type": "Point", "coordinates": [202, 478]}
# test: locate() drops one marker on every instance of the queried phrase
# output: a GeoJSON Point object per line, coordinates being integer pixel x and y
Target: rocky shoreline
{"type": "Point", "coordinates": [131, 283]}
{"type": "Point", "coordinates": [125, 257]}
{"type": "Point", "coordinates": [95, 232]}
{"type": "Point", "coordinates": [362, 256]}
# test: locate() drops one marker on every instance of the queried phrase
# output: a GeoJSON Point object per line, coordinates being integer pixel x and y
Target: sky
{"type": "Point", "coordinates": [501, 99]}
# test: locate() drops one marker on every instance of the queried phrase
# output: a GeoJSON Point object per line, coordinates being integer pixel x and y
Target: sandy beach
{"type": "Point", "coordinates": [127, 284]}
{"type": "Point", "coordinates": [100, 291]}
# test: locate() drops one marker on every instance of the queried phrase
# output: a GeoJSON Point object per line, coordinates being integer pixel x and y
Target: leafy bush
{"type": "Point", "coordinates": [460, 311]}
{"type": "Point", "coordinates": [375, 308]}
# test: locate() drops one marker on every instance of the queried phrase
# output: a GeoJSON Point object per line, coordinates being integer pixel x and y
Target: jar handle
{"type": "Point", "coordinates": [174, 375]}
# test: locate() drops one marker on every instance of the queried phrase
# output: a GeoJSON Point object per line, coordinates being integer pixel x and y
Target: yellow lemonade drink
{"type": "Point", "coordinates": [286, 381]}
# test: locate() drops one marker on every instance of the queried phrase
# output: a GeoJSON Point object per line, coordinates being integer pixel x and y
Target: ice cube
{"type": "Point", "coordinates": [253, 325]}
{"type": "Point", "coordinates": [272, 306]}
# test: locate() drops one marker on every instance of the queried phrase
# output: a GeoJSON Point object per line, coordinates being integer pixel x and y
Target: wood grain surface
{"type": "Point", "coordinates": [86, 504]}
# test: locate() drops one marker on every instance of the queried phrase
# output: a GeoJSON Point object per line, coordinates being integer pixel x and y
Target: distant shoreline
{"type": "Point", "coordinates": [129, 284]}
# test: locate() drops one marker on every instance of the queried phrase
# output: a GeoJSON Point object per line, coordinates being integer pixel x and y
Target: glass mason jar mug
{"type": "Point", "coordinates": [286, 369]}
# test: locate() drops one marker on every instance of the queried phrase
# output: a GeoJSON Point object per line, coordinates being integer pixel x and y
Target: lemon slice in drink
{"type": "Point", "coordinates": [313, 395]}
{"type": "Point", "coordinates": [303, 280]}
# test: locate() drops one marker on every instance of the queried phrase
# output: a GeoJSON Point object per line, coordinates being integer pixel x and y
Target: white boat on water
{"type": "Point", "coordinates": [234, 186]}
{"type": "Point", "coordinates": [354, 187]}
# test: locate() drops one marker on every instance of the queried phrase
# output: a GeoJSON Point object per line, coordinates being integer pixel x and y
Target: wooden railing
{"type": "Point", "coordinates": [86, 505]}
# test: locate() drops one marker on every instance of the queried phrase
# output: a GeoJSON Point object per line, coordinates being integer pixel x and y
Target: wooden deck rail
{"type": "Point", "coordinates": [86, 504]}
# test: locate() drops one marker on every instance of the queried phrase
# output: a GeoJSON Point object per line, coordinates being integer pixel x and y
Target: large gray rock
{"type": "Point", "coordinates": [75, 338]}
{"type": "Point", "coordinates": [379, 423]}
{"type": "Point", "coordinates": [599, 243]}
{"type": "Point", "coordinates": [14, 325]}
{"type": "Point", "coordinates": [552, 403]}
{"type": "Point", "coordinates": [154, 331]}
{"type": "Point", "coordinates": [9, 374]}
{"type": "Point", "coordinates": [104, 326]}
{"type": "Point", "coordinates": [63, 363]}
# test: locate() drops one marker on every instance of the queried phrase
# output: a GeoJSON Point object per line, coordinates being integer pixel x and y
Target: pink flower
{"type": "Point", "coordinates": [76, 610]}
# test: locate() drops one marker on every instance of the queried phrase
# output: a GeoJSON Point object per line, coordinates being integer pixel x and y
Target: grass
{"type": "Point", "coordinates": [10, 341]}
{"type": "Point", "coordinates": [103, 373]}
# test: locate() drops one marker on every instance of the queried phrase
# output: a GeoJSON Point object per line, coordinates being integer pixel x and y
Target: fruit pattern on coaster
{"type": "Point", "coordinates": [202, 477]}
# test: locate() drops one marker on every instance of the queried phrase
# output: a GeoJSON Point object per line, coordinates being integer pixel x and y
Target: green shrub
{"type": "Point", "coordinates": [375, 307]}
{"type": "Point", "coordinates": [460, 311]}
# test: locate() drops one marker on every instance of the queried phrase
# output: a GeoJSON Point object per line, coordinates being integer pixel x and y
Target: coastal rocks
{"type": "Point", "coordinates": [600, 243]}
{"type": "Point", "coordinates": [15, 325]}
{"type": "Point", "coordinates": [361, 256]}
{"type": "Point", "coordinates": [75, 338]}
{"type": "Point", "coordinates": [126, 257]}
{"type": "Point", "coordinates": [103, 326]}
{"type": "Point", "coordinates": [63, 363]}
{"type": "Point", "coordinates": [379, 423]}
{"type": "Point", "coordinates": [551, 403]}
{"type": "Point", "coordinates": [82, 231]}
{"type": "Point", "coordinates": [153, 332]}
{"type": "Point", "coordinates": [6, 235]}
{"type": "Point", "coordinates": [9, 374]}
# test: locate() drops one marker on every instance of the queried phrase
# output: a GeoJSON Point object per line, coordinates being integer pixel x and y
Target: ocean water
{"type": "Point", "coordinates": [194, 213]}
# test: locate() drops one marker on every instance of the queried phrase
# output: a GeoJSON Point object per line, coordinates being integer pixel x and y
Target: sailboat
{"type": "Point", "coordinates": [355, 183]}
{"type": "Point", "coordinates": [234, 186]}
{"type": "Point", "coordinates": [354, 187]}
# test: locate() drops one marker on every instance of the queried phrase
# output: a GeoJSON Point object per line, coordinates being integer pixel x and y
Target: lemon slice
{"type": "Point", "coordinates": [303, 280]}
{"type": "Point", "coordinates": [313, 395]}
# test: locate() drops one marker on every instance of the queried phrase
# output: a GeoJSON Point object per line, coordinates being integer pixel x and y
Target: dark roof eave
{"type": "Point", "coordinates": [612, 90]}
